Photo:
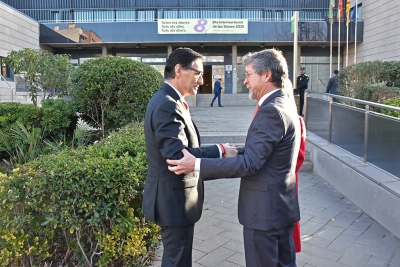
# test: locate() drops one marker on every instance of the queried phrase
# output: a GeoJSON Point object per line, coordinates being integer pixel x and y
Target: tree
{"type": "Point", "coordinates": [41, 70]}
{"type": "Point", "coordinates": [114, 91]}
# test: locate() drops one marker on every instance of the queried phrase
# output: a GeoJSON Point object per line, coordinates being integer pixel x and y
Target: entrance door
{"type": "Point", "coordinates": [206, 88]}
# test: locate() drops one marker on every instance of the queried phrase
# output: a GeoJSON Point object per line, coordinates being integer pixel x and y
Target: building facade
{"type": "Point", "coordinates": [223, 31]}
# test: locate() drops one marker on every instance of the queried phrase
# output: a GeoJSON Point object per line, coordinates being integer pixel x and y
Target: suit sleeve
{"type": "Point", "coordinates": [328, 87]}
{"type": "Point", "coordinates": [261, 141]}
{"type": "Point", "coordinates": [169, 129]}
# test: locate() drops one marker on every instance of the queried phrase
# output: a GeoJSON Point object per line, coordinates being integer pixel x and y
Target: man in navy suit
{"type": "Point", "coordinates": [217, 92]}
{"type": "Point", "coordinates": [268, 206]}
{"type": "Point", "coordinates": [175, 202]}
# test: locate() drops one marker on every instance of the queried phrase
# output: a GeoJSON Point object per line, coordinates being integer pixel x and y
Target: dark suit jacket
{"type": "Point", "coordinates": [332, 85]}
{"type": "Point", "coordinates": [170, 199]}
{"type": "Point", "coordinates": [267, 165]}
{"type": "Point", "coordinates": [217, 87]}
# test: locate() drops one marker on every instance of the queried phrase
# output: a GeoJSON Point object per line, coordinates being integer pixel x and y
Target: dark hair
{"type": "Point", "coordinates": [336, 71]}
{"type": "Point", "coordinates": [271, 60]}
{"type": "Point", "coordinates": [183, 56]}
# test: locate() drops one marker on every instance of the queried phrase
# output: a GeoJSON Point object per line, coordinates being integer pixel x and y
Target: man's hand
{"type": "Point", "coordinates": [184, 165]}
{"type": "Point", "coordinates": [231, 151]}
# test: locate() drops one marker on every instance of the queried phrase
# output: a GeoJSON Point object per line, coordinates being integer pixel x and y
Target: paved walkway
{"type": "Point", "coordinates": [334, 231]}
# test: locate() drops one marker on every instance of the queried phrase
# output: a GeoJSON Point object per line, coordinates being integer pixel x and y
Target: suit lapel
{"type": "Point", "coordinates": [185, 113]}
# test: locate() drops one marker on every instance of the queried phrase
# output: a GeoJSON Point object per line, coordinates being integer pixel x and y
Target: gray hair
{"type": "Point", "coordinates": [269, 60]}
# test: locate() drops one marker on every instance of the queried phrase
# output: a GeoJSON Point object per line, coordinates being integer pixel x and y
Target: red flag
{"type": "Point", "coordinates": [340, 10]}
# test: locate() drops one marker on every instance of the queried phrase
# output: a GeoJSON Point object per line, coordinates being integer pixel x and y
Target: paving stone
{"type": "Point", "coordinates": [310, 228]}
{"type": "Point", "coordinates": [216, 257]}
{"type": "Point", "coordinates": [342, 243]}
{"type": "Point", "coordinates": [235, 246]}
{"type": "Point", "coordinates": [321, 252]}
{"type": "Point", "coordinates": [209, 232]}
{"type": "Point", "coordinates": [212, 243]}
{"type": "Point", "coordinates": [238, 258]}
{"type": "Point", "coordinates": [314, 260]}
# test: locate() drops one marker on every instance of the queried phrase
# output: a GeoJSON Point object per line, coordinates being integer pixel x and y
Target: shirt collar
{"type": "Point", "coordinates": [179, 93]}
{"type": "Point", "coordinates": [262, 99]}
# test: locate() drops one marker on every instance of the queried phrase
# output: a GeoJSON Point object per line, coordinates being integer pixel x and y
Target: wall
{"type": "Point", "coordinates": [381, 32]}
{"type": "Point", "coordinates": [17, 31]}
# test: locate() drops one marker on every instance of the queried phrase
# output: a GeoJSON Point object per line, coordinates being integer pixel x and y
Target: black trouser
{"type": "Point", "coordinates": [177, 243]}
{"type": "Point", "coordinates": [269, 248]}
{"type": "Point", "coordinates": [301, 93]}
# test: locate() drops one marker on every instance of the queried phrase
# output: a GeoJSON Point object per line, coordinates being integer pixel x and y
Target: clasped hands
{"type": "Point", "coordinates": [186, 164]}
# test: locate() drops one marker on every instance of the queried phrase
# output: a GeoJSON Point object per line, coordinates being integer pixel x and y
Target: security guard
{"type": "Point", "coordinates": [302, 85]}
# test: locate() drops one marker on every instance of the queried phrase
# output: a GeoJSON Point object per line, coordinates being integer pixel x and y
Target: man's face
{"type": "Point", "coordinates": [191, 79]}
{"type": "Point", "coordinates": [254, 82]}
{"type": "Point", "coordinates": [302, 71]}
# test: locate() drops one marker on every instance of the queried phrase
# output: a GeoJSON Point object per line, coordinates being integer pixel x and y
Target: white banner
{"type": "Point", "coordinates": [202, 26]}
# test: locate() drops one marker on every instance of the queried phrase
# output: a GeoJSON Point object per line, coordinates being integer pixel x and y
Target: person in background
{"type": "Point", "coordinates": [268, 205]}
{"type": "Point", "coordinates": [302, 85]}
{"type": "Point", "coordinates": [332, 84]}
{"type": "Point", "coordinates": [175, 202]}
{"type": "Point", "coordinates": [217, 92]}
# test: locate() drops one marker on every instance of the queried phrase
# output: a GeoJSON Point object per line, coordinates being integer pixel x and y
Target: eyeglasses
{"type": "Point", "coordinates": [248, 74]}
{"type": "Point", "coordinates": [199, 73]}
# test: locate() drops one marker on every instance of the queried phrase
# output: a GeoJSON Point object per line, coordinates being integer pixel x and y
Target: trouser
{"type": "Point", "coordinates": [219, 98]}
{"type": "Point", "coordinates": [301, 93]}
{"type": "Point", "coordinates": [274, 248]}
{"type": "Point", "coordinates": [177, 242]}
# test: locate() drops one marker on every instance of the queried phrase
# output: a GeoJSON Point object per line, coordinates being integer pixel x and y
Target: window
{"type": "Point", "coordinates": [5, 70]}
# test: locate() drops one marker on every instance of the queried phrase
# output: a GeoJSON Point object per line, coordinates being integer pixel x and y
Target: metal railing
{"type": "Point", "coordinates": [12, 90]}
{"type": "Point", "coordinates": [68, 15]}
{"type": "Point", "coordinates": [359, 129]}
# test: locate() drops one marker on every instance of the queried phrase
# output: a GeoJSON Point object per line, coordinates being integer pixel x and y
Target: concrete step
{"type": "Point", "coordinates": [307, 166]}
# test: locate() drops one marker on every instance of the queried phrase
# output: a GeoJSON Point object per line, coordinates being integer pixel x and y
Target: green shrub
{"type": "Point", "coordinates": [58, 118]}
{"type": "Point", "coordinates": [391, 102]}
{"type": "Point", "coordinates": [80, 207]}
{"type": "Point", "coordinates": [10, 113]}
{"type": "Point", "coordinates": [114, 91]}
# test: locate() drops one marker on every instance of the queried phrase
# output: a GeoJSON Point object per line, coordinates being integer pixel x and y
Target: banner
{"type": "Point", "coordinates": [202, 26]}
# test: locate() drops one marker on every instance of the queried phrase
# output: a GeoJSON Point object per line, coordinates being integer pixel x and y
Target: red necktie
{"type": "Point", "coordinates": [185, 105]}
{"type": "Point", "coordinates": [255, 110]}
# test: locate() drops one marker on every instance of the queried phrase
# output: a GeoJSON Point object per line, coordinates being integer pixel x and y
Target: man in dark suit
{"type": "Point", "coordinates": [332, 84]}
{"type": "Point", "coordinates": [302, 85]}
{"type": "Point", "coordinates": [175, 202]}
{"type": "Point", "coordinates": [217, 92]}
{"type": "Point", "coordinates": [268, 206]}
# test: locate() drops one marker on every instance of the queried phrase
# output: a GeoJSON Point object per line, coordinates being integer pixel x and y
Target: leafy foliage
{"type": "Point", "coordinates": [79, 207]}
{"type": "Point", "coordinates": [41, 70]}
{"type": "Point", "coordinates": [114, 91]}
{"type": "Point", "coordinates": [26, 129]}
{"type": "Point", "coordinates": [391, 102]}
{"type": "Point", "coordinates": [371, 81]}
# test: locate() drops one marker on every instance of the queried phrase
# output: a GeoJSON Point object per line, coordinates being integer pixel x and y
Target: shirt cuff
{"type": "Point", "coordinates": [197, 165]}
{"type": "Point", "coordinates": [220, 151]}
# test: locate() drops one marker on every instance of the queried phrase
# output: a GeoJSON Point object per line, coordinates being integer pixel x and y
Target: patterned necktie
{"type": "Point", "coordinates": [255, 110]}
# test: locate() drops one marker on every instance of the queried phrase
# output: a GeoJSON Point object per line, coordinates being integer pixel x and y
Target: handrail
{"type": "Point", "coordinates": [12, 91]}
{"type": "Point", "coordinates": [374, 104]}
{"type": "Point", "coordinates": [367, 109]}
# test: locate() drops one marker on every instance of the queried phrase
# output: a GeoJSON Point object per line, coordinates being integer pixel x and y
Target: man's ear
{"type": "Point", "coordinates": [268, 76]}
{"type": "Point", "coordinates": [178, 69]}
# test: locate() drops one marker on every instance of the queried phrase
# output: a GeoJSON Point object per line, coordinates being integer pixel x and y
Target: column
{"type": "Point", "coordinates": [104, 50]}
{"type": "Point", "coordinates": [234, 68]}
